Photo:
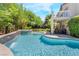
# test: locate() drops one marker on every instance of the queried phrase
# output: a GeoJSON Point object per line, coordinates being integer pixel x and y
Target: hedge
{"type": "Point", "coordinates": [74, 26]}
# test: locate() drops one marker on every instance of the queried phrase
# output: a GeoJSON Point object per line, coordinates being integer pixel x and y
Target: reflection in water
{"type": "Point", "coordinates": [13, 44]}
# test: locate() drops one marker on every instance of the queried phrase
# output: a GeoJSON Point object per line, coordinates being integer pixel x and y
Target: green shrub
{"type": "Point", "coordinates": [74, 26]}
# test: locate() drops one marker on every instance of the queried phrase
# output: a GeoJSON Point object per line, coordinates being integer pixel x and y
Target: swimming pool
{"type": "Point", "coordinates": [36, 44]}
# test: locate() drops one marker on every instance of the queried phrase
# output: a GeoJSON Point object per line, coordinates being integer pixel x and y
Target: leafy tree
{"type": "Point", "coordinates": [47, 21]}
{"type": "Point", "coordinates": [15, 16]}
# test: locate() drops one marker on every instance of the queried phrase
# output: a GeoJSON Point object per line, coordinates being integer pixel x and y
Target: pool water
{"type": "Point", "coordinates": [29, 44]}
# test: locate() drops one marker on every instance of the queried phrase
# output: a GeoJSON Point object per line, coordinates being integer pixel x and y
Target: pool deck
{"type": "Point", "coordinates": [4, 51]}
{"type": "Point", "coordinates": [58, 36]}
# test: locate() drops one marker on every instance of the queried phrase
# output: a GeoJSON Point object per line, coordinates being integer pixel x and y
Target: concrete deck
{"type": "Point", "coordinates": [4, 51]}
{"type": "Point", "coordinates": [58, 36]}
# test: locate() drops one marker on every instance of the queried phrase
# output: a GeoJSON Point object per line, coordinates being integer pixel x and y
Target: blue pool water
{"type": "Point", "coordinates": [27, 44]}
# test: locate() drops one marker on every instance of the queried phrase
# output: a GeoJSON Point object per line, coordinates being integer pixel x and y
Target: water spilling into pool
{"type": "Point", "coordinates": [29, 44]}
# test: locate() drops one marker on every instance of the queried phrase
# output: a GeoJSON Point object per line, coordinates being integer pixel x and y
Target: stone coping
{"type": "Point", "coordinates": [52, 36]}
{"type": "Point", "coordinates": [5, 51]}
{"type": "Point", "coordinates": [60, 36]}
{"type": "Point", "coordinates": [1, 36]}
{"type": "Point", "coordinates": [13, 33]}
{"type": "Point", "coordinates": [7, 37]}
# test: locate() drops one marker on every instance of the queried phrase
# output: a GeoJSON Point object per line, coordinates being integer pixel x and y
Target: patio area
{"type": "Point", "coordinates": [4, 51]}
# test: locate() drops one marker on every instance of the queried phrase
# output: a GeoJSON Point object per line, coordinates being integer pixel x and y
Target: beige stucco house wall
{"type": "Point", "coordinates": [66, 12]}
